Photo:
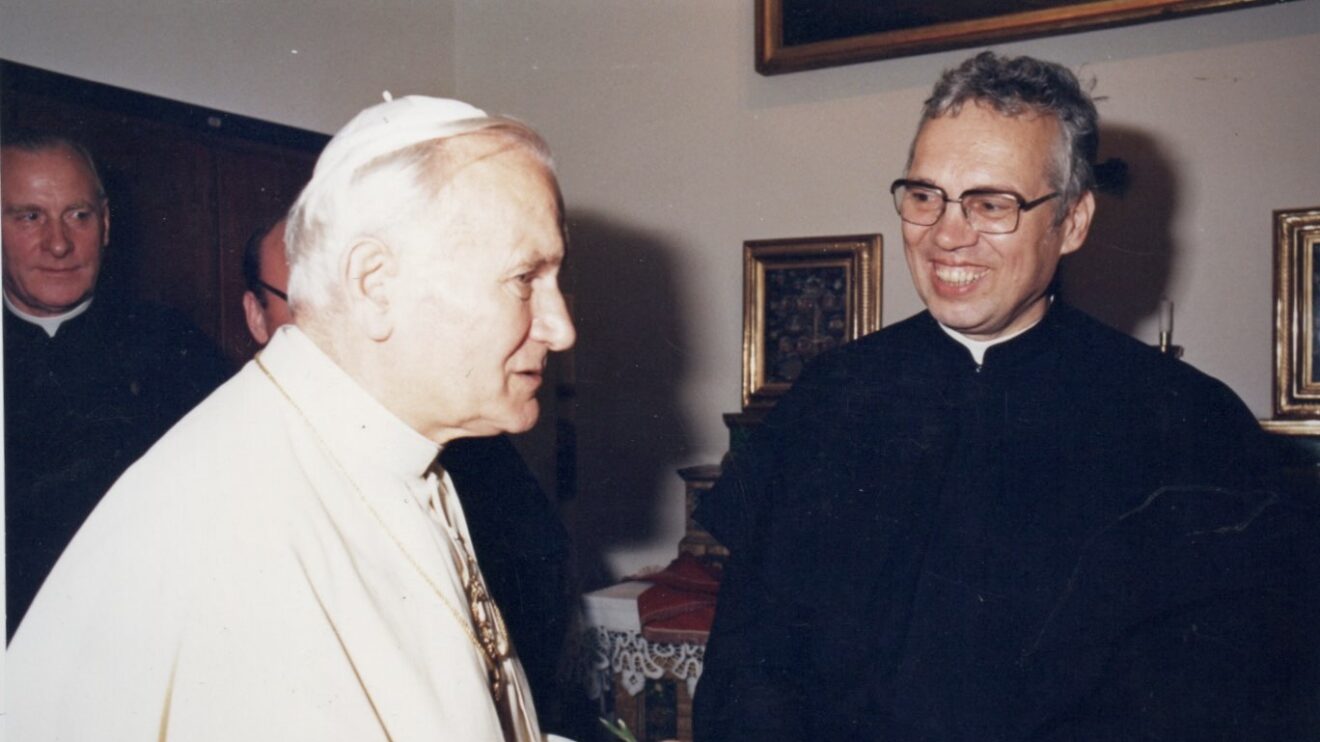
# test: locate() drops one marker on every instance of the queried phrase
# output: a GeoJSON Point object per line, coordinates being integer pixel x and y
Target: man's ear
{"type": "Point", "coordinates": [369, 269]}
{"type": "Point", "coordinates": [1077, 223]}
{"type": "Point", "coordinates": [105, 222]}
{"type": "Point", "coordinates": [256, 318]}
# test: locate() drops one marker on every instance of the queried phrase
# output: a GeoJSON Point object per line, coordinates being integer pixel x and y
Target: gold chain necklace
{"type": "Point", "coordinates": [493, 645]}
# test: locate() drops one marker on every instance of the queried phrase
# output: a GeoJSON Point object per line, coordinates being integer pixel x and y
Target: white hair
{"type": "Point", "coordinates": [360, 192]}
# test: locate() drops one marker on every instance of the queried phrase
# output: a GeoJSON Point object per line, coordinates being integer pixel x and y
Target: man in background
{"type": "Point", "coordinates": [286, 563]}
{"type": "Point", "coordinates": [519, 537]}
{"type": "Point", "coordinates": [1000, 519]}
{"type": "Point", "coordinates": [266, 282]}
{"type": "Point", "coordinates": [91, 380]}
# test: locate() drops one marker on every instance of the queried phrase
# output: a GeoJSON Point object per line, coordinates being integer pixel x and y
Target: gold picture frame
{"type": "Point", "coordinates": [801, 297]}
{"type": "Point", "coordinates": [1297, 314]}
{"type": "Point", "coordinates": [828, 34]}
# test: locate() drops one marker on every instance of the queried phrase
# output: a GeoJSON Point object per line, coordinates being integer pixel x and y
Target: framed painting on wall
{"type": "Point", "coordinates": [793, 35]}
{"type": "Point", "coordinates": [802, 297]}
{"type": "Point", "coordinates": [1297, 314]}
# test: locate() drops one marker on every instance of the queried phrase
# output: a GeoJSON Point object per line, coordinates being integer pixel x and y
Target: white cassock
{"type": "Point", "coordinates": [280, 566]}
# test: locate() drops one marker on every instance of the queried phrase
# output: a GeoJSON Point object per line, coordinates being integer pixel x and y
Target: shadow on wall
{"type": "Point", "coordinates": [629, 369]}
{"type": "Point", "coordinates": [1127, 263]}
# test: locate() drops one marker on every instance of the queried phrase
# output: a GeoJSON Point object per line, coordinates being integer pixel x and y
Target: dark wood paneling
{"type": "Point", "coordinates": [187, 185]}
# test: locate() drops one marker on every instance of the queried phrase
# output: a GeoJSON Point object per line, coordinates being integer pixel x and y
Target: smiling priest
{"type": "Point", "coordinates": [287, 563]}
{"type": "Point", "coordinates": [1000, 519]}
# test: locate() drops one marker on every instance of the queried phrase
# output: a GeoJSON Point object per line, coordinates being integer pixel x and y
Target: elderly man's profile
{"type": "Point", "coordinates": [287, 563]}
{"type": "Point", "coordinates": [517, 534]}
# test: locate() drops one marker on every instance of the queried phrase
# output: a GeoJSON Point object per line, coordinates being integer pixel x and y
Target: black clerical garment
{"type": "Point", "coordinates": [1065, 542]}
{"type": "Point", "coordinates": [79, 409]}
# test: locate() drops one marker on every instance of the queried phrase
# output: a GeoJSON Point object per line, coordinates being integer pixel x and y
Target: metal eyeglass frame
{"type": "Point", "coordinates": [1022, 203]}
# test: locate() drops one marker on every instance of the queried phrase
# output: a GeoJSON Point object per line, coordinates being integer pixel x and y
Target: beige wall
{"type": "Point", "coordinates": [673, 151]}
{"type": "Point", "coordinates": [307, 63]}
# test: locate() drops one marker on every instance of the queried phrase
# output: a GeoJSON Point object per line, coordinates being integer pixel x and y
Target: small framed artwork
{"type": "Point", "coordinates": [793, 35]}
{"type": "Point", "coordinates": [1297, 314]}
{"type": "Point", "coordinates": [802, 297]}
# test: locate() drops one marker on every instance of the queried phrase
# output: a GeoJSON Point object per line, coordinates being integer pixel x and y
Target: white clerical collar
{"type": "Point", "coordinates": [352, 423]}
{"type": "Point", "coordinates": [50, 324]}
{"type": "Point", "coordinates": [978, 347]}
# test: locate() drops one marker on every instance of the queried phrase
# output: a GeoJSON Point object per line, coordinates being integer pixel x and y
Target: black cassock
{"type": "Point", "coordinates": [1066, 542]}
{"type": "Point", "coordinates": [79, 409]}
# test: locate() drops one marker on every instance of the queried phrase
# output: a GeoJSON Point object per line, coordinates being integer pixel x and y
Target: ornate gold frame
{"type": "Point", "coordinates": [1017, 21]}
{"type": "Point", "coordinates": [857, 258]}
{"type": "Point", "coordinates": [1309, 428]}
{"type": "Point", "coordinates": [1296, 327]}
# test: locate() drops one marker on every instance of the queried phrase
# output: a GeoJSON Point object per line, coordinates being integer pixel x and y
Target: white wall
{"type": "Point", "coordinates": [307, 63]}
{"type": "Point", "coordinates": [673, 151]}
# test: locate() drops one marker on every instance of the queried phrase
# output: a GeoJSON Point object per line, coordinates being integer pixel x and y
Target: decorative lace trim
{"type": "Point", "coordinates": [633, 659]}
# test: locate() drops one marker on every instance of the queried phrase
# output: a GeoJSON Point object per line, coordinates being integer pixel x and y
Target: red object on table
{"type": "Point", "coordinates": [680, 604]}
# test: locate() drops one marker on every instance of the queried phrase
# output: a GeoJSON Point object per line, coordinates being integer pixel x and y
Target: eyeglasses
{"type": "Point", "coordinates": [987, 211]}
{"type": "Point", "coordinates": [273, 290]}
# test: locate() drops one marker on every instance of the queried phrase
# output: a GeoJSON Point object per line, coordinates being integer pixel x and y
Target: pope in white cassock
{"type": "Point", "coordinates": [286, 564]}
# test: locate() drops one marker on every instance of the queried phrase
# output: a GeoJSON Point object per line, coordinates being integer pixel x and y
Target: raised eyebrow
{"type": "Point", "coordinates": [990, 190]}
{"type": "Point", "coordinates": [16, 208]}
{"type": "Point", "coordinates": [973, 191]}
{"type": "Point", "coordinates": [540, 263]}
{"type": "Point", "coordinates": [928, 185]}
{"type": "Point", "coordinates": [523, 267]}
